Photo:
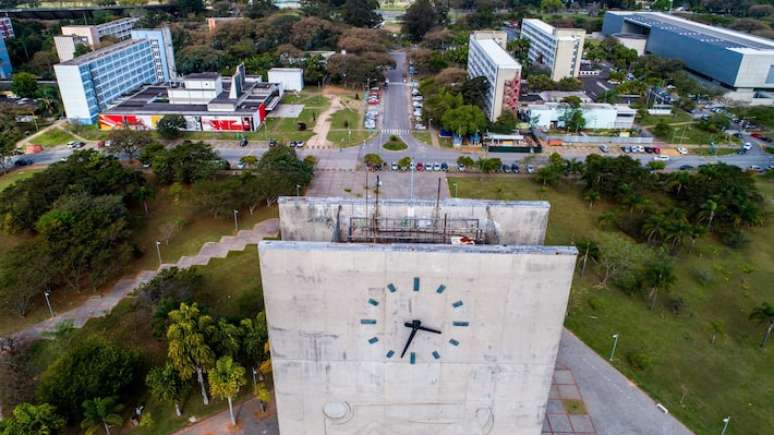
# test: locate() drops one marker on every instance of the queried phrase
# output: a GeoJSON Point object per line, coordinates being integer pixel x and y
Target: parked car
{"type": "Point", "coordinates": [417, 98]}
{"type": "Point", "coordinates": [649, 150]}
{"type": "Point", "coordinates": [766, 139]}
{"type": "Point", "coordinates": [756, 168]}
{"type": "Point", "coordinates": [420, 167]}
{"type": "Point", "coordinates": [436, 166]}
{"type": "Point", "coordinates": [506, 168]}
{"type": "Point", "coordinates": [686, 167]}
{"type": "Point", "coordinates": [273, 143]}
{"type": "Point", "coordinates": [22, 162]}
{"type": "Point", "coordinates": [530, 169]}
{"type": "Point", "coordinates": [460, 167]}
{"type": "Point", "coordinates": [603, 148]}
{"type": "Point", "coordinates": [296, 144]}
{"type": "Point", "coordinates": [661, 158]}
{"type": "Point", "coordinates": [243, 142]}
{"type": "Point", "coordinates": [444, 167]}
{"type": "Point", "coordinates": [417, 104]}
{"type": "Point", "coordinates": [514, 168]}
{"type": "Point", "coordinates": [394, 166]}
{"type": "Point", "coordinates": [682, 150]}
{"type": "Point", "coordinates": [624, 149]}
{"type": "Point", "coordinates": [747, 146]}
{"type": "Point", "coordinates": [656, 150]}
{"type": "Point", "coordinates": [419, 126]}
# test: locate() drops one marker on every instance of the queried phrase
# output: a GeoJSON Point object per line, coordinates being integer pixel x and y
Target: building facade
{"type": "Point", "coordinates": [344, 358]}
{"type": "Point", "coordinates": [6, 27]}
{"type": "Point", "coordinates": [742, 63]}
{"type": "Point", "coordinates": [596, 115]}
{"type": "Point", "coordinates": [560, 50]}
{"type": "Point", "coordinates": [291, 79]}
{"type": "Point", "coordinates": [5, 61]}
{"type": "Point", "coordinates": [90, 83]}
{"type": "Point", "coordinates": [486, 58]}
{"type": "Point", "coordinates": [162, 51]}
{"type": "Point", "coordinates": [91, 35]}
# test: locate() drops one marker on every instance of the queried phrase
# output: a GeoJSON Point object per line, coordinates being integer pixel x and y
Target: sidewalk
{"type": "Point", "coordinates": [250, 421]}
{"type": "Point", "coordinates": [101, 304]}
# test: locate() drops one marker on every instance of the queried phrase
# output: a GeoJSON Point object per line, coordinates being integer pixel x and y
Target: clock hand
{"type": "Point", "coordinates": [415, 324]}
{"type": "Point", "coordinates": [435, 331]}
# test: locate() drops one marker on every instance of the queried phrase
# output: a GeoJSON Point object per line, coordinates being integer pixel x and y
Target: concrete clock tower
{"type": "Point", "coordinates": [413, 318]}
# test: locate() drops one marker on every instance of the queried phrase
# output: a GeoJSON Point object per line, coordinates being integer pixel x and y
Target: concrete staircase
{"type": "Point", "coordinates": [100, 305]}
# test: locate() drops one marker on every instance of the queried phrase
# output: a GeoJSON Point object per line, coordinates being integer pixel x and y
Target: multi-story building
{"type": "Point", "coordinates": [742, 63]}
{"type": "Point", "coordinates": [6, 27]}
{"type": "Point", "coordinates": [486, 58]}
{"type": "Point", "coordinates": [89, 83]}
{"type": "Point", "coordinates": [206, 101]}
{"type": "Point", "coordinates": [72, 36]}
{"type": "Point", "coordinates": [5, 61]}
{"type": "Point", "coordinates": [560, 50]}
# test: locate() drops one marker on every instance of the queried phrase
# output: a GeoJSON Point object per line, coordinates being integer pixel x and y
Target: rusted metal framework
{"type": "Point", "coordinates": [413, 230]}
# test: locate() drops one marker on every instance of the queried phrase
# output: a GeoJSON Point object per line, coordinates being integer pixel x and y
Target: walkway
{"type": "Point", "coordinates": [250, 421]}
{"type": "Point", "coordinates": [323, 125]}
{"type": "Point", "coordinates": [101, 304]}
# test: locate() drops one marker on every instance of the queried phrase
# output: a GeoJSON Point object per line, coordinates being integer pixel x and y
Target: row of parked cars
{"type": "Point", "coordinates": [370, 119]}
{"type": "Point", "coordinates": [512, 168]}
{"type": "Point", "coordinates": [374, 95]}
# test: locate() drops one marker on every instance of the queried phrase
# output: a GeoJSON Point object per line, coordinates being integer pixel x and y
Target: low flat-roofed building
{"type": "Point", "coordinates": [206, 101]}
{"type": "Point", "coordinates": [596, 115]}
{"type": "Point", "coordinates": [291, 79]}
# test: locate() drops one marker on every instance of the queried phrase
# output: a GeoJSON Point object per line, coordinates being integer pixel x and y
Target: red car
{"type": "Point", "coordinates": [420, 167]}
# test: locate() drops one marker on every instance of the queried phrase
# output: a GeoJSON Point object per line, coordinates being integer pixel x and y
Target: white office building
{"type": "Point", "coordinates": [559, 50]}
{"type": "Point", "coordinates": [597, 115]}
{"type": "Point", "coordinates": [91, 36]}
{"type": "Point", "coordinates": [89, 83]}
{"type": "Point", "coordinates": [486, 58]}
{"type": "Point", "coordinates": [291, 79]}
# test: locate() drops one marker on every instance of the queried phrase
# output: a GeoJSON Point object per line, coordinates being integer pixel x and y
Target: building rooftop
{"type": "Point", "coordinates": [496, 53]}
{"type": "Point", "coordinates": [295, 70]}
{"type": "Point", "coordinates": [558, 32]}
{"type": "Point", "coordinates": [201, 76]}
{"type": "Point", "coordinates": [96, 54]}
{"type": "Point", "coordinates": [708, 34]}
{"type": "Point", "coordinates": [542, 25]}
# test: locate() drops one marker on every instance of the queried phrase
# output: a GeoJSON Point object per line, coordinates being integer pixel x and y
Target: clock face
{"type": "Point", "coordinates": [416, 320]}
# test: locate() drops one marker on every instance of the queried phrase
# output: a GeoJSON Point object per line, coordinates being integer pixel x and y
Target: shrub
{"type": "Point", "coordinates": [639, 359]}
{"type": "Point", "coordinates": [703, 276]}
{"type": "Point", "coordinates": [734, 238]}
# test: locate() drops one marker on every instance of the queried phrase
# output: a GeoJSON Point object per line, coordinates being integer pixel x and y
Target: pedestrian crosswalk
{"type": "Point", "coordinates": [395, 131]}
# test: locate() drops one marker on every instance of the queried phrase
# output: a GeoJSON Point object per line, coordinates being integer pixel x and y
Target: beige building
{"type": "Point", "coordinates": [72, 36]}
{"type": "Point", "coordinates": [560, 50]}
{"type": "Point", "coordinates": [487, 58]}
{"type": "Point", "coordinates": [498, 35]}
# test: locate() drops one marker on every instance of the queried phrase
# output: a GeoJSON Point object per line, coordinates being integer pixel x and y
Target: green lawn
{"type": "Point", "coordinates": [690, 134]}
{"type": "Point", "coordinates": [345, 118]}
{"type": "Point", "coordinates": [679, 116]}
{"type": "Point", "coordinates": [231, 287]}
{"type": "Point", "coordinates": [706, 151]}
{"type": "Point", "coordinates": [733, 377]}
{"type": "Point", "coordinates": [395, 144]}
{"type": "Point", "coordinates": [13, 176]}
{"type": "Point", "coordinates": [423, 136]}
{"type": "Point", "coordinates": [342, 138]}
{"type": "Point", "coordinates": [51, 138]}
{"type": "Point", "coordinates": [90, 132]}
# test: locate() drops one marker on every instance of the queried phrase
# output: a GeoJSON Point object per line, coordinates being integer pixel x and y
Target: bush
{"type": "Point", "coordinates": [733, 238]}
{"type": "Point", "coordinates": [703, 276]}
{"type": "Point", "coordinates": [396, 145]}
{"type": "Point", "coordinates": [639, 360]}
{"type": "Point", "coordinates": [91, 369]}
{"type": "Point", "coordinates": [171, 126]}
{"type": "Point", "coordinates": [373, 160]}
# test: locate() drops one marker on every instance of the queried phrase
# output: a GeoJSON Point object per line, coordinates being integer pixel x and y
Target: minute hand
{"type": "Point", "coordinates": [434, 331]}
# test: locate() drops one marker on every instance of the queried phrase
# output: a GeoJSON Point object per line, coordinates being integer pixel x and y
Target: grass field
{"type": "Point", "coordinates": [13, 176]}
{"type": "Point", "coordinates": [706, 151]}
{"type": "Point", "coordinates": [698, 382]}
{"type": "Point", "coordinates": [197, 228]}
{"type": "Point", "coordinates": [51, 138]}
{"type": "Point", "coordinates": [423, 136]}
{"type": "Point", "coordinates": [90, 132]}
{"type": "Point", "coordinates": [342, 138]}
{"type": "Point", "coordinates": [345, 118]}
{"type": "Point", "coordinates": [231, 287]}
{"type": "Point", "coordinates": [690, 134]}
{"type": "Point", "coordinates": [651, 120]}
{"type": "Point", "coordinates": [395, 144]}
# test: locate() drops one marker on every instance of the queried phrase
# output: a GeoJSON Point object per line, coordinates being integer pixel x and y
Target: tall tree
{"type": "Point", "coordinates": [361, 13]}
{"type": "Point", "coordinates": [763, 314]}
{"type": "Point", "coordinates": [419, 18]}
{"type": "Point", "coordinates": [226, 379]}
{"type": "Point", "coordinates": [24, 84]}
{"type": "Point", "coordinates": [101, 412]}
{"type": "Point", "coordinates": [465, 120]}
{"type": "Point", "coordinates": [474, 91]}
{"type": "Point", "coordinates": [658, 275]}
{"type": "Point", "coordinates": [26, 271]}
{"type": "Point", "coordinates": [128, 142]}
{"type": "Point", "coordinates": [171, 126]}
{"type": "Point", "coordinates": [189, 336]}
{"type": "Point", "coordinates": [165, 384]}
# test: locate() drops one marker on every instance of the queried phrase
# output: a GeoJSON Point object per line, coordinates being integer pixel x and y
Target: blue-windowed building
{"type": "Point", "coordinates": [90, 83]}
{"type": "Point", "coordinates": [741, 62]}
{"type": "Point", "coordinates": [5, 61]}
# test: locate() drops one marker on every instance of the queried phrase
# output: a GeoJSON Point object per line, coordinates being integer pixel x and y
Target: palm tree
{"type": "Point", "coordinates": [653, 227]}
{"type": "Point", "coordinates": [658, 275]}
{"type": "Point", "coordinates": [249, 161]}
{"type": "Point", "coordinates": [145, 193]}
{"type": "Point", "coordinates": [101, 412]}
{"type": "Point", "coordinates": [165, 384]}
{"type": "Point", "coordinates": [589, 249]}
{"type": "Point", "coordinates": [591, 196]}
{"type": "Point", "coordinates": [606, 218]}
{"type": "Point", "coordinates": [225, 381]}
{"type": "Point", "coordinates": [707, 212]}
{"type": "Point", "coordinates": [188, 335]}
{"type": "Point", "coordinates": [33, 419]}
{"type": "Point", "coordinates": [762, 314]}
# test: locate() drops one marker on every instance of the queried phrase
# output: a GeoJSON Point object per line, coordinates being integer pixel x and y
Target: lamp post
{"type": "Point", "coordinates": [47, 294]}
{"type": "Point", "coordinates": [298, 190]}
{"type": "Point", "coordinates": [615, 343]}
{"type": "Point", "coordinates": [236, 221]}
{"type": "Point", "coordinates": [456, 191]}
{"type": "Point", "coordinates": [725, 425]}
{"type": "Point", "coordinates": [255, 384]}
{"type": "Point", "coordinates": [158, 251]}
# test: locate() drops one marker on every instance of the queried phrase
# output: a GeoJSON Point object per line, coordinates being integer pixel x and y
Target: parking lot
{"type": "Point", "coordinates": [394, 184]}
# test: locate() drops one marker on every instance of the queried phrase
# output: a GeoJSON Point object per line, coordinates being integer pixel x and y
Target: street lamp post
{"type": "Point", "coordinates": [255, 384]}
{"type": "Point", "coordinates": [158, 251]}
{"type": "Point", "coordinates": [615, 343]}
{"type": "Point", "coordinates": [298, 190]}
{"type": "Point", "coordinates": [236, 221]}
{"type": "Point", "coordinates": [725, 425]}
{"type": "Point", "coordinates": [47, 295]}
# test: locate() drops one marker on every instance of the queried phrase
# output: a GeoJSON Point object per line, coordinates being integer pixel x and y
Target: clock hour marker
{"type": "Point", "coordinates": [440, 289]}
{"type": "Point", "coordinates": [413, 358]}
{"type": "Point", "coordinates": [368, 321]}
{"type": "Point", "coordinates": [373, 301]}
{"type": "Point", "coordinates": [391, 288]}
{"type": "Point", "coordinates": [454, 342]}
{"type": "Point", "coordinates": [436, 355]}
{"type": "Point", "coordinates": [390, 354]}
{"type": "Point", "coordinates": [373, 340]}
{"type": "Point", "coordinates": [416, 284]}
{"type": "Point", "coordinates": [459, 323]}
{"type": "Point", "coordinates": [457, 304]}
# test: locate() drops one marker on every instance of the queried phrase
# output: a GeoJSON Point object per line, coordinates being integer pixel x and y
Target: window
{"type": "Point", "coordinates": [770, 76]}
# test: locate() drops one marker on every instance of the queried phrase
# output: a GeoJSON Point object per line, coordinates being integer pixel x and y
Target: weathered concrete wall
{"type": "Point", "coordinates": [317, 219]}
{"type": "Point", "coordinates": [334, 318]}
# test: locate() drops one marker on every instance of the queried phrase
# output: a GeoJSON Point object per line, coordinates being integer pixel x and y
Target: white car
{"type": "Point", "coordinates": [747, 146]}
{"type": "Point", "coordinates": [661, 158]}
{"type": "Point", "coordinates": [417, 104]}
{"type": "Point", "coordinates": [419, 126]}
{"type": "Point", "coordinates": [417, 98]}
{"type": "Point", "coordinates": [682, 150]}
